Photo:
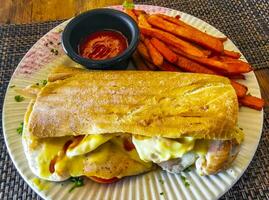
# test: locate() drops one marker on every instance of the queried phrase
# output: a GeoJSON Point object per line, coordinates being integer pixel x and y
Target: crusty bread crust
{"type": "Point", "coordinates": [166, 104]}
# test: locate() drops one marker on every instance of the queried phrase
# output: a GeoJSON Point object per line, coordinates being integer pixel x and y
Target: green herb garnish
{"type": "Point", "coordinates": [161, 193]}
{"type": "Point", "coordinates": [44, 82]}
{"type": "Point", "coordinates": [128, 5]}
{"type": "Point", "coordinates": [161, 181]}
{"type": "Point", "coordinates": [185, 181]}
{"type": "Point", "coordinates": [188, 169]}
{"type": "Point", "coordinates": [37, 84]}
{"type": "Point", "coordinates": [19, 98]}
{"type": "Point", "coordinates": [20, 128]}
{"type": "Point", "coordinates": [12, 86]}
{"type": "Point", "coordinates": [78, 182]}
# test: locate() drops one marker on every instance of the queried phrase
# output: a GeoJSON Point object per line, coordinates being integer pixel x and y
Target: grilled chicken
{"type": "Point", "coordinates": [219, 156]}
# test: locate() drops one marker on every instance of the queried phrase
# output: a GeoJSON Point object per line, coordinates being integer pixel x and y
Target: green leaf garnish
{"type": "Point", "coordinates": [44, 82]}
{"type": "Point", "coordinates": [161, 181]}
{"type": "Point", "coordinates": [12, 86]}
{"type": "Point", "coordinates": [20, 128]}
{"type": "Point", "coordinates": [78, 182]}
{"type": "Point", "coordinates": [161, 193]}
{"type": "Point", "coordinates": [185, 181]}
{"type": "Point", "coordinates": [188, 169]}
{"type": "Point", "coordinates": [187, 184]}
{"type": "Point", "coordinates": [128, 5]}
{"type": "Point", "coordinates": [19, 98]}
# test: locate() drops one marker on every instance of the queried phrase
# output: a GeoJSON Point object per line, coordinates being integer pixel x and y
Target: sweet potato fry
{"type": "Point", "coordinates": [252, 102]}
{"type": "Point", "coordinates": [190, 66]}
{"type": "Point", "coordinates": [139, 12]}
{"type": "Point", "coordinates": [166, 66]}
{"type": "Point", "coordinates": [222, 39]}
{"type": "Point", "coordinates": [131, 14]}
{"type": "Point", "coordinates": [143, 51]}
{"type": "Point", "coordinates": [231, 54]}
{"type": "Point", "coordinates": [139, 63]}
{"type": "Point", "coordinates": [142, 21]}
{"type": "Point", "coordinates": [237, 76]}
{"type": "Point", "coordinates": [207, 53]}
{"type": "Point", "coordinates": [225, 67]}
{"type": "Point", "coordinates": [239, 88]}
{"type": "Point", "coordinates": [176, 20]}
{"type": "Point", "coordinates": [228, 59]}
{"type": "Point", "coordinates": [173, 40]}
{"type": "Point", "coordinates": [236, 65]}
{"type": "Point", "coordinates": [190, 34]}
{"type": "Point", "coordinates": [215, 64]}
{"type": "Point", "coordinates": [150, 65]}
{"type": "Point", "coordinates": [142, 37]}
{"type": "Point", "coordinates": [177, 17]}
{"type": "Point", "coordinates": [164, 50]}
{"type": "Point", "coordinates": [155, 55]}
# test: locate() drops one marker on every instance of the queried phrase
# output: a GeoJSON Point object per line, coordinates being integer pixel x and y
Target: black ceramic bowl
{"type": "Point", "coordinates": [96, 20]}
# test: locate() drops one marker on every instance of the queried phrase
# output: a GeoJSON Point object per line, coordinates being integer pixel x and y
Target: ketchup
{"type": "Point", "coordinates": [102, 45]}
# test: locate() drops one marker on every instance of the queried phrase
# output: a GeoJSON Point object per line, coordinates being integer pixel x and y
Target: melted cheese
{"type": "Point", "coordinates": [118, 142]}
{"type": "Point", "coordinates": [158, 149]}
{"type": "Point", "coordinates": [65, 166]}
{"type": "Point", "coordinates": [88, 144]}
{"type": "Point", "coordinates": [40, 184]}
{"type": "Point", "coordinates": [70, 166]}
{"type": "Point", "coordinates": [49, 149]}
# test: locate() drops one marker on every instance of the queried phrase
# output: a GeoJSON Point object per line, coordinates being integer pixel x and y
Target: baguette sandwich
{"type": "Point", "coordinates": [106, 125]}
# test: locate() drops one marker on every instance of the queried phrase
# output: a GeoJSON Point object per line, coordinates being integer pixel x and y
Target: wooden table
{"type": "Point", "coordinates": [29, 11]}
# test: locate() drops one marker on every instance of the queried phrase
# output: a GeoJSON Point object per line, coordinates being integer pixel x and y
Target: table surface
{"type": "Point", "coordinates": [29, 11]}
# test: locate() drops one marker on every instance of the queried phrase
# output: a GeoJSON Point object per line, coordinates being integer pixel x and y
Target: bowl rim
{"type": "Point", "coordinates": [65, 39]}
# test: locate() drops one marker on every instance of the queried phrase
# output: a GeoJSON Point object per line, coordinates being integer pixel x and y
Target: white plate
{"type": "Point", "coordinates": [35, 66]}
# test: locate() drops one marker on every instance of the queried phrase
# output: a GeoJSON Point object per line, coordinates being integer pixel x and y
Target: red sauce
{"type": "Point", "coordinates": [103, 45]}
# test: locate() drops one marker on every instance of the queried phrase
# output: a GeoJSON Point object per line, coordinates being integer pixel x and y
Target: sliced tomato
{"type": "Point", "coordinates": [76, 141]}
{"type": "Point", "coordinates": [128, 145]}
{"type": "Point", "coordinates": [66, 145]}
{"type": "Point", "coordinates": [52, 164]}
{"type": "Point", "coordinates": [101, 180]}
